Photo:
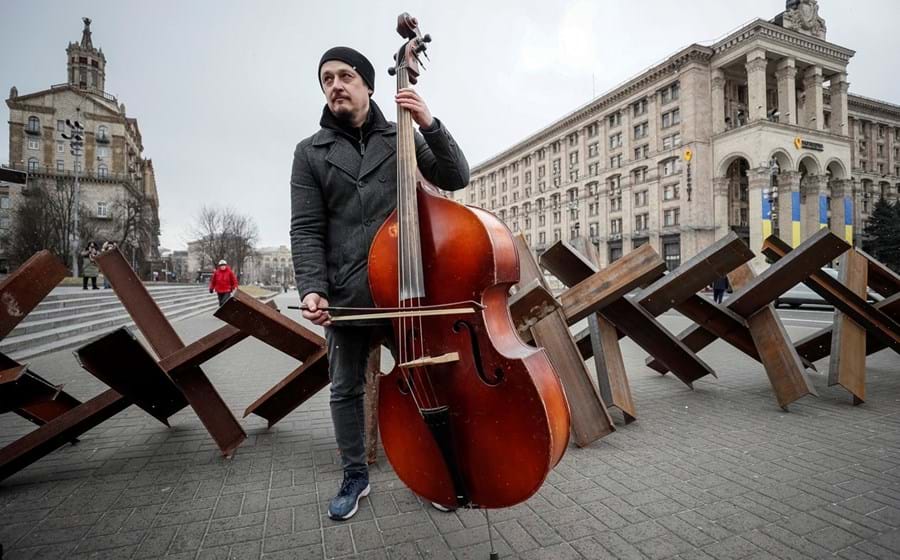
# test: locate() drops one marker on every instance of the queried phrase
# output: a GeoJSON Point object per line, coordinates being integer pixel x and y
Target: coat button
{"type": "Point", "coordinates": [361, 184]}
{"type": "Point", "coordinates": [382, 179]}
{"type": "Point", "coordinates": [368, 223]}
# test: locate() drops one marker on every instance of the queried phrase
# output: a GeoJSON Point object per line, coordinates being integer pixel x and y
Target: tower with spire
{"type": "Point", "coordinates": [86, 65]}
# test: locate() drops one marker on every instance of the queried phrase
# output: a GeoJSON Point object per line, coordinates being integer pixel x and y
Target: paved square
{"type": "Point", "coordinates": [718, 472]}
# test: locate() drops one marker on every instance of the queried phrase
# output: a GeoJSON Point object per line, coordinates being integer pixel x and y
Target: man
{"type": "Point", "coordinates": [223, 282]}
{"type": "Point", "coordinates": [343, 187]}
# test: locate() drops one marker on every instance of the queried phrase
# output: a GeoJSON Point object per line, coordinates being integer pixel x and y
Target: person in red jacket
{"type": "Point", "coordinates": [223, 282]}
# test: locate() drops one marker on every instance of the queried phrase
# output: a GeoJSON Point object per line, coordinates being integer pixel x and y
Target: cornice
{"type": "Point", "coordinates": [873, 105]}
{"type": "Point", "coordinates": [763, 29]}
{"type": "Point", "coordinates": [653, 75]}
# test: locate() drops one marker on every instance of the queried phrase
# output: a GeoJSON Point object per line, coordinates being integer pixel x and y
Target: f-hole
{"type": "Point", "coordinates": [497, 376]}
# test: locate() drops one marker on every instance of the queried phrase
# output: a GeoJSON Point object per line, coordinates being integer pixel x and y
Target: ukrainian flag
{"type": "Point", "coordinates": [795, 218]}
{"type": "Point", "coordinates": [848, 219]}
{"type": "Point", "coordinates": [823, 211]}
{"type": "Point", "coordinates": [766, 216]}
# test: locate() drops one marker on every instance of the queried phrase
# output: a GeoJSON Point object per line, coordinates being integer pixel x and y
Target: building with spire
{"type": "Point", "coordinates": [117, 184]}
{"type": "Point", "coordinates": [755, 133]}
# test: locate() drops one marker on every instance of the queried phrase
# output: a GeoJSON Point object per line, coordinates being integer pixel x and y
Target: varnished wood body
{"type": "Point", "coordinates": [506, 437]}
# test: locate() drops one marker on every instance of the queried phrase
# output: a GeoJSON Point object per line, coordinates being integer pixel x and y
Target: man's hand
{"type": "Point", "coordinates": [410, 100]}
{"type": "Point", "coordinates": [316, 310]}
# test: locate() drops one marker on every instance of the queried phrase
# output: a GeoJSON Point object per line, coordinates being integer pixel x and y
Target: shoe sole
{"type": "Point", "coordinates": [353, 511]}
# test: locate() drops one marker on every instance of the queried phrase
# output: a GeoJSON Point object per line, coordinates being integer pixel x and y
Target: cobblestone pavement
{"type": "Point", "coordinates": [718, 472]}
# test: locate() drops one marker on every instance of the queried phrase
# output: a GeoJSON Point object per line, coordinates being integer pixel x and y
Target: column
{"type": "Point", "coordinates": [721, 206]}
{"type": "Point", "coordinates": [756, 85]}
{"type": "Point", "coordinates": [842, 209]}
{"type": "Point", "coordinates": [789, 207]}
{"type": "Point", "coordinates": [759, 211]}
{"type": "Point", "coordinates": [786, 73]}
{"type": "Point", "coordinates": [839, 88]}
{"type": "Point", "coordinates": [813, 114]}
{"type": "Point", "coordinates": [814, 202]}
{"type": "Point", "coordinates": [718, 100]}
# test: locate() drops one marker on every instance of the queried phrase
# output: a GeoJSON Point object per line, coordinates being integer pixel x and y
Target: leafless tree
{"type": "Point", "coordinates": [224, 233]}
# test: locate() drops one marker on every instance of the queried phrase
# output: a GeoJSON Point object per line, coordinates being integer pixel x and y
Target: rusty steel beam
{"type": "Point", "coordinates": [134, 296]}
{"type": "Point", "coordinates": [818, 345]}
{"type": "Point", "coordinates": [529, 305]}
{"type": "Point", "coordinates": [191, 381]}
{"type": "Point", "coordinates": [842, 297]}
{"type": "Point", "coordinates": [21, 291]}
{"type": "Point", "coordinates": [59, 431]}
{"type": "Point", "coordinates": [715, 261]}
{"type": "Point", "coordinates": [568, 264]}
{"type": "Point", "coordinates": [268, 325]}
{"type": "Point", "coordinates": [199, 351]}
{"type": "Point", "coordinates": [884, 281]}
{"type": "Point", "coordinates": [816, 251]}
{"type": "Point", "coordinates": [590, 419]}
{"type": "Point", "coordinates": [636, 269]}
{"type": "Point", "coordinates": [292, 391]}
{"type": "Point", "coordinates": [848, 343]}
{"type": "Point", "coordinates": [121, 362]}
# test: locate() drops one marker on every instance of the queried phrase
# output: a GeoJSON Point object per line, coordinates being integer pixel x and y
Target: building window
{"type": "Point", "coordinates": [34, 125]}
{"type": "Point", "coordinates": [555, 147]}
{"type": "Point", "coordinates": [593, 169]}
{"type": "Point", "coordinates": [101, 210]}
{"type": "Point", "coordinates": [615, 161]}
{"type": "Point", "coordinates": [671, 166]}
{"type": "Point", "coordinates": [671, 141]}
{"type": "Point", "coordinates": [542, 219]}
{"type": "Point", "coordinates": [593, 129]}
{"type": "Point", "coordinates": [60, 126]}
{"type": "Point", "coordinates": [615, 119]}
{"type": "Point", "coordinates": [641, 130]}
{"type": "Point", "coordinates": [4, 222]}
{"type": "Point", "coordinates": [103, 152]}
{"type": "Point", "coordinates": [593, 150]}
{"type": "Point", "coordinates": [557, 235]}
{"type": "Point", "coordinates": [60, 165]}
{"type": "Point", "coordinates": [671, 118]}
{"type": "Point", "coordinates": [573, 158]}
{"type": "Point", "coordinates": [60, 148]}
{"type": "Point", "coordinates": [639, 176]}
{"type": "Point", "coordinates": [102, 133]}
{"type": "Point", "coordinates": [32, 165]}
{"type": "Point", "coordinates": [670, 216]}
{"type": "Point", "coordinates": [615, 252]}
{"type": "Point", "coordinates": [642, 152]}
{"type": "Point", "coordinates": [102, 171]}
{"type": "Point", "coordinates": [573, 139]}
{"type": "Point", "coordinates": [4, 202]}
{"type": "Point", "coordinates": [556, 166]}
{"type": "Point", "coordinates": [615, 226]}
{"type": "Point", "coordinates": [641, 222]}
{"type": "Point", "coordinates": [640, 108]}
{"type": "Point", "coordinates": [615, 203]}
{"type": "Point", "coordinates": [669, 94]}
{"type": "Point", "coordinates": [34, 144]}
{"type": "Point", "coordinates": [670, 192]}
{"type": "Point", "coordinates": [615, 141]}
{"type": "Point", "coordinates": [640, 199]}
{"type": "Point", "coordinates": [542, 237]}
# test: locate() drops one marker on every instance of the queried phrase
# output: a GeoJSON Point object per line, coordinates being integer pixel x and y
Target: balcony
{"type": "Point", "coordinates": [33, 130]}
{"type": "Point", "coordinates": [103, 139]}
{"type": "Point", "coordinates": [45, 171]}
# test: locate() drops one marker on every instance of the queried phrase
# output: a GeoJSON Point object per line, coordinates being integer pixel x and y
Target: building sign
{"type": "Point", "coordinates": [688, 154]}
{"type": "Point", "coordinates": [802, 144]}
{"type": "Point", "coordinates": [688, 179]}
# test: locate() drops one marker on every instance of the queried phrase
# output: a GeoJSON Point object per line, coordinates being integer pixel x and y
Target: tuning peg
{"type": "Point", "coordinates": [426, 38]}
{"type": "Point", "coordinates": [392, 71]}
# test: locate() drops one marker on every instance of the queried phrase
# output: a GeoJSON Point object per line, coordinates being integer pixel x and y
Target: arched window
{"type": "Point", "coordinates": [32, 165]}
{"type": "Point", "coordinates": [101, 132]}
{"type": "Point", "coordinates": [34, 124]}
{"type": "Point", "coordinates": [102, 170]}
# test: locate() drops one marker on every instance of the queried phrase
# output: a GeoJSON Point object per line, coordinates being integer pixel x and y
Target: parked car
{"type": "Point", "coordinates": [801, 294]}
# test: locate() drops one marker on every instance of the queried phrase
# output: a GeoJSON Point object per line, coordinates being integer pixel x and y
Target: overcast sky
{"type": "Point", "coordinates": [224, 90]}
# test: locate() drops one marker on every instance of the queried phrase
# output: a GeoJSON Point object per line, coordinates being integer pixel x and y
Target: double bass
{"type": "Point", "coordinates": [470, 416]}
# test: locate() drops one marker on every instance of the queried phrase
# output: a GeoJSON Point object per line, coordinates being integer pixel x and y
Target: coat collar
{"type": "Point", "coordinates": [380, 136]}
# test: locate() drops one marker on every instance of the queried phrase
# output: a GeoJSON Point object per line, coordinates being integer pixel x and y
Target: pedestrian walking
{"type": "Point", "coordinates": [223, 282]}
{"type": "Point", "coordinates": [719, 288]}
{"type": "Point", "coordinates": [90, 270]}
{"type": "Point", "coordinates": [107, 246]}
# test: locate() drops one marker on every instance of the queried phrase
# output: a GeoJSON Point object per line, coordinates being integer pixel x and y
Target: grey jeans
{"type": "Point", "coordinates": [348, 353]}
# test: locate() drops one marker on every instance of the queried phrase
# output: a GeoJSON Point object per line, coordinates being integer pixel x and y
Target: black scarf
{"type": "Point", "coordinates": [375, 122]}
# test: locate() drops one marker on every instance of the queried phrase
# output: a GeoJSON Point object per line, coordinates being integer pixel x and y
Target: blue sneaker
{"type": "Point", "coordinates": [344, 505]}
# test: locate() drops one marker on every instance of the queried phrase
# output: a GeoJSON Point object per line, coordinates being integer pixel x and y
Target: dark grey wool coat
{"type": "Point", "coordinates": [342, 190]}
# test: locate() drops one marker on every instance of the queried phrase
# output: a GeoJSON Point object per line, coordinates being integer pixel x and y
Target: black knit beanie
{"type": "Point", "coordinates": [352, 57]}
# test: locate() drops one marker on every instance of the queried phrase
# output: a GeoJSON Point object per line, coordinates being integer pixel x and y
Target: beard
{"type": "Point", "coordinates": [344, 114]}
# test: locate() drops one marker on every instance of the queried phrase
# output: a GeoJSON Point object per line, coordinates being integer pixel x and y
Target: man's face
{"type": "Point", "coordinates": [346, 93]}
{"type": "Point", "coordinates": [222, 267]}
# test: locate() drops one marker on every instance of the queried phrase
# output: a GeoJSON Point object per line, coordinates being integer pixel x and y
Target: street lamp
{"type": "Point", "coordinates": [76, 143]}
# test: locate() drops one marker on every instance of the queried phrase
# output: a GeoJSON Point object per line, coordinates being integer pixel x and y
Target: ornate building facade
{"type": "Point", "coordinates": [756, 133]}
{"type": "Point", "coordinates": [114, 176]}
